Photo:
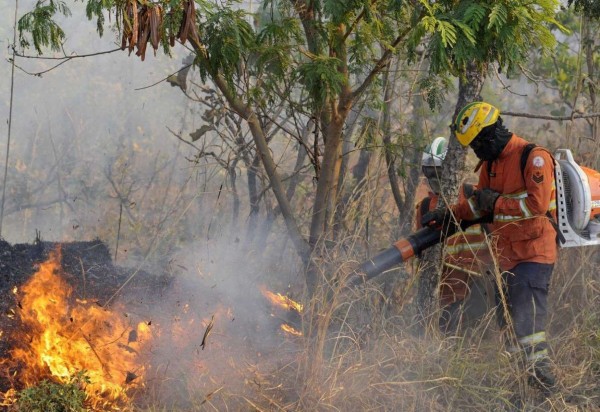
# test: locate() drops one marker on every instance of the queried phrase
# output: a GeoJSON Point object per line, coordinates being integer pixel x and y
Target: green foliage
{"type": "Point", "coordinates": [504, 31]}
{"type": "Point", "coordinates": [434, 89]}
{"type": "Point", "coordinates": [339, 10]}
{"type": "Point", "coordinates": [590, 8]}
{"type": "Point", "coordinates": [571, 71]}
{"type": "Point", "coordinates": [321, 78]}
{"type": "Point", "coordinates": [55, 397]}
{"type": "Point", "coordinates": [229, 39]}
{"type": "Point", "coordinates": [43, 29]}
{"type": "Point", "coordinates": [276, 41]}
{"type": "Point", "coordinates": [96, 8]}
{"type": "Point", "coordinates": [370, 136]}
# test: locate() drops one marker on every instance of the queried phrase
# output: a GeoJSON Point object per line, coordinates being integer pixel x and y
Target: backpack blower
{"type": "Point", "coordinates": [577, 210]}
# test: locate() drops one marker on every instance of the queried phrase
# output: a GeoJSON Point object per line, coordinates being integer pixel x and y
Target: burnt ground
{"type": "Point", "coordinates": [87, 267]}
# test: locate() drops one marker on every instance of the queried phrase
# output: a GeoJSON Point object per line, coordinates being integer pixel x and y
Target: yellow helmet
{"type": "Point", "coordinates": [472, 118]}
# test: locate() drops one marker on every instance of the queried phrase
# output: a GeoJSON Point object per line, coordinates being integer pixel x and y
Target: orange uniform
{"type": "Point", "coordinates": [521, 229]}
{"type": "Point", "coordinates": [464, 252]}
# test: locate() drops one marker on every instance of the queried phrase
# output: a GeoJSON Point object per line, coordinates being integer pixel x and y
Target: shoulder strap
{"type": "Point", "coordinates": [524, 156]}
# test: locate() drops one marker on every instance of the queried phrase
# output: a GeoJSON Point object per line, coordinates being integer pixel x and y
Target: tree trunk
{"type": "Point", "coordinates": [300, 159]}
{"type": "Point", "coordinates": [262, 148]}
{"type": "Point", "coordinates": [453, 172]}
{"type": "Point", "coordinates": [236, 198]}
{"type": "Point", "coordinates": [590, 47]}
{"type": "Point", "coordinates": [347, 145]}
{"type": "Point", "coordinates": [327, 185]}
{"type": "Point", "coordinates": [390, 156]}
{"type": "Point", "coordinates": [251, 175]}
{"type": "Point", "coordinates": [413, 158]}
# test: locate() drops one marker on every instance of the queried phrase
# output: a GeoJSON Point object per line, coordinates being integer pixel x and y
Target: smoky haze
{"type": "Point", "coordinates": [91, 156]}
{"type": "Point", "coordinates": [73, 126]}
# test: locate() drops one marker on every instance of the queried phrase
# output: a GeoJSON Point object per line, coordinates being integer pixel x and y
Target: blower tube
{"type": "Point", "coordinates": [403, 250]}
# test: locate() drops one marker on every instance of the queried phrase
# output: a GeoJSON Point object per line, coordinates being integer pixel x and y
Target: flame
{"type": "Point", "coordinates": [61, 337]}
{"type": "Point", "coordinates": [288, 329]}
{"type": "Point", "coordinates": [282, 301]}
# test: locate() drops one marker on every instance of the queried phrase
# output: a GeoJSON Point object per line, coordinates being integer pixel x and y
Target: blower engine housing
{"type": "Point", "coordinates": [577, 201]}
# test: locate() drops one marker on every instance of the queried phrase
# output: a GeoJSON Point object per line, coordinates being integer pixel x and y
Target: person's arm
{"type": "Point", "coordinates": [465, 208]}
{"type": "Point", "coordinates": [539, 184]}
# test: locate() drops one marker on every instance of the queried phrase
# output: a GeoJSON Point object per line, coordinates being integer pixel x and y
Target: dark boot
{"type": "Point", "coordinates": [541, 376]}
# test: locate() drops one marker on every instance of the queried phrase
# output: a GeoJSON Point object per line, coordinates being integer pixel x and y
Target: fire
{"type": "Point", "coordinates": [286, 303]}
{"type": "Point", "coordinates": [62, 336]}
{"type": "Point", "coordinates": [282, 301]}
{"type": "Point", "coordinates": [288, 329]}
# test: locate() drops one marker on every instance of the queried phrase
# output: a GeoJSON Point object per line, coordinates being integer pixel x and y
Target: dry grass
{"type": "Point", "coordinates": [363, 354]}
{"type": "Point", "coordinates": [363, 351]}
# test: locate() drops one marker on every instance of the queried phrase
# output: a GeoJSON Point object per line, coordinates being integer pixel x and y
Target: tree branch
{"type": "Point", "coordinates": [262, 148]}
{"type": "Point", "coordinates": [165, 78]}
{"type": "Point", "coordinates": [64, 60]}
{"type": "Point", "coordinates": [381, 64]}
{"type": "Point", "coordinates": [76, 56]}
{"type": "Point", "coordinates": [548, 117]}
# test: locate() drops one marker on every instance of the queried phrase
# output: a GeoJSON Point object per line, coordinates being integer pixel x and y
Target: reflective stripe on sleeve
{"type": "Point", "coordinates": [506, 218]}
{"type": "Point", "coordinates": [473, 230]}
{"type": "Point", "coordinates": [463, 247]}
{"type": "Point", "coordinates": [524, 208]}
{"type": "Point", "coordinates": [519, 195]}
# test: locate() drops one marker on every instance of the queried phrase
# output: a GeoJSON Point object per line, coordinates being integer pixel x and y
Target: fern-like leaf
{"type": "Point", "coordinates": [498, 16]}
{"type": "Point", "coordinates": [40, 25]}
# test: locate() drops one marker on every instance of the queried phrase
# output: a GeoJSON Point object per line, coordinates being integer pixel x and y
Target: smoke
{"type": "Point", "coordinates": [77, 124]}
{"type": "Point", "coordinates": [94, 155]}
{"type": "Point", "coordinates": [214, 285]}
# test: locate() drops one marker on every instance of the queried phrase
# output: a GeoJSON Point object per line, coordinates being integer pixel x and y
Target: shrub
{"type": "Point", "coordinates": [50, 396]}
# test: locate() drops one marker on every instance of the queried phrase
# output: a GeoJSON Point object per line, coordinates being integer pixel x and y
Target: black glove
{"type": "Point", "coordinates": [436, 217]}
{"type": "Point", "coordinates": [485, 200]}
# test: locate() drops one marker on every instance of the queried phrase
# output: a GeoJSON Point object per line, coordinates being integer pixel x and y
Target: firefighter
{"type": "Point", "coordinates": [464, 252]}
{"type": "Point", "coordinates": [517, 194]}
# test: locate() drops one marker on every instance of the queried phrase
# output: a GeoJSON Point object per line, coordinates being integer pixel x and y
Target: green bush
{"type": "Point", "coordinates": [55, 397]}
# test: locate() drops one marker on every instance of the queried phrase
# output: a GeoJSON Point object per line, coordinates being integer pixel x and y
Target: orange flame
{"type": "Point", "coordinates": [288, 329]}
{"type": "Point", "coordinates": [282, 301]}
{"type": "Point", "coordinates": [61, 337]}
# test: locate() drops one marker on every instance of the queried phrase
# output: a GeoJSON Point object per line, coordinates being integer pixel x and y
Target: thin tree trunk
{"type": "Point", "coordinates": [589, 45]}
{"type": "Point", "coordinates": [390, 156]}
{"type": "Point", "coordinates": [251, 175]}
{"type": "Point", "coordinates": [453, 171]}
{"type": "Point", "coordinates": [347, 144]}
{"type": "Point", "coordinates": [327, 185]}
{"type": "Point", "coordinates": [262, 148]}
{"type": "Point", "coordinates": [359, 175]}
{"type": "Point", "coordinates": [413, 158]}
{"type": "Point", "coordinates": [300, 159]}
{"type": "Point", "coordinates": [236, 198]}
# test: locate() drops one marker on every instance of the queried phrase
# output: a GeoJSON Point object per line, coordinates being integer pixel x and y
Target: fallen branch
{"type": "Point", "coordinates": [207, 332]}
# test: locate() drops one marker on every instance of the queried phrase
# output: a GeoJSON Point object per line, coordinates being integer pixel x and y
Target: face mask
{"type": "Point", "coordinates": [490, 142]}
{"type": "Point", "coordinates": [487, 151]}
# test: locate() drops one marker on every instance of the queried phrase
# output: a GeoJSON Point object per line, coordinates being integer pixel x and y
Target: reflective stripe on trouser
{"type": "Point", "coordinates": [526, 290]}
